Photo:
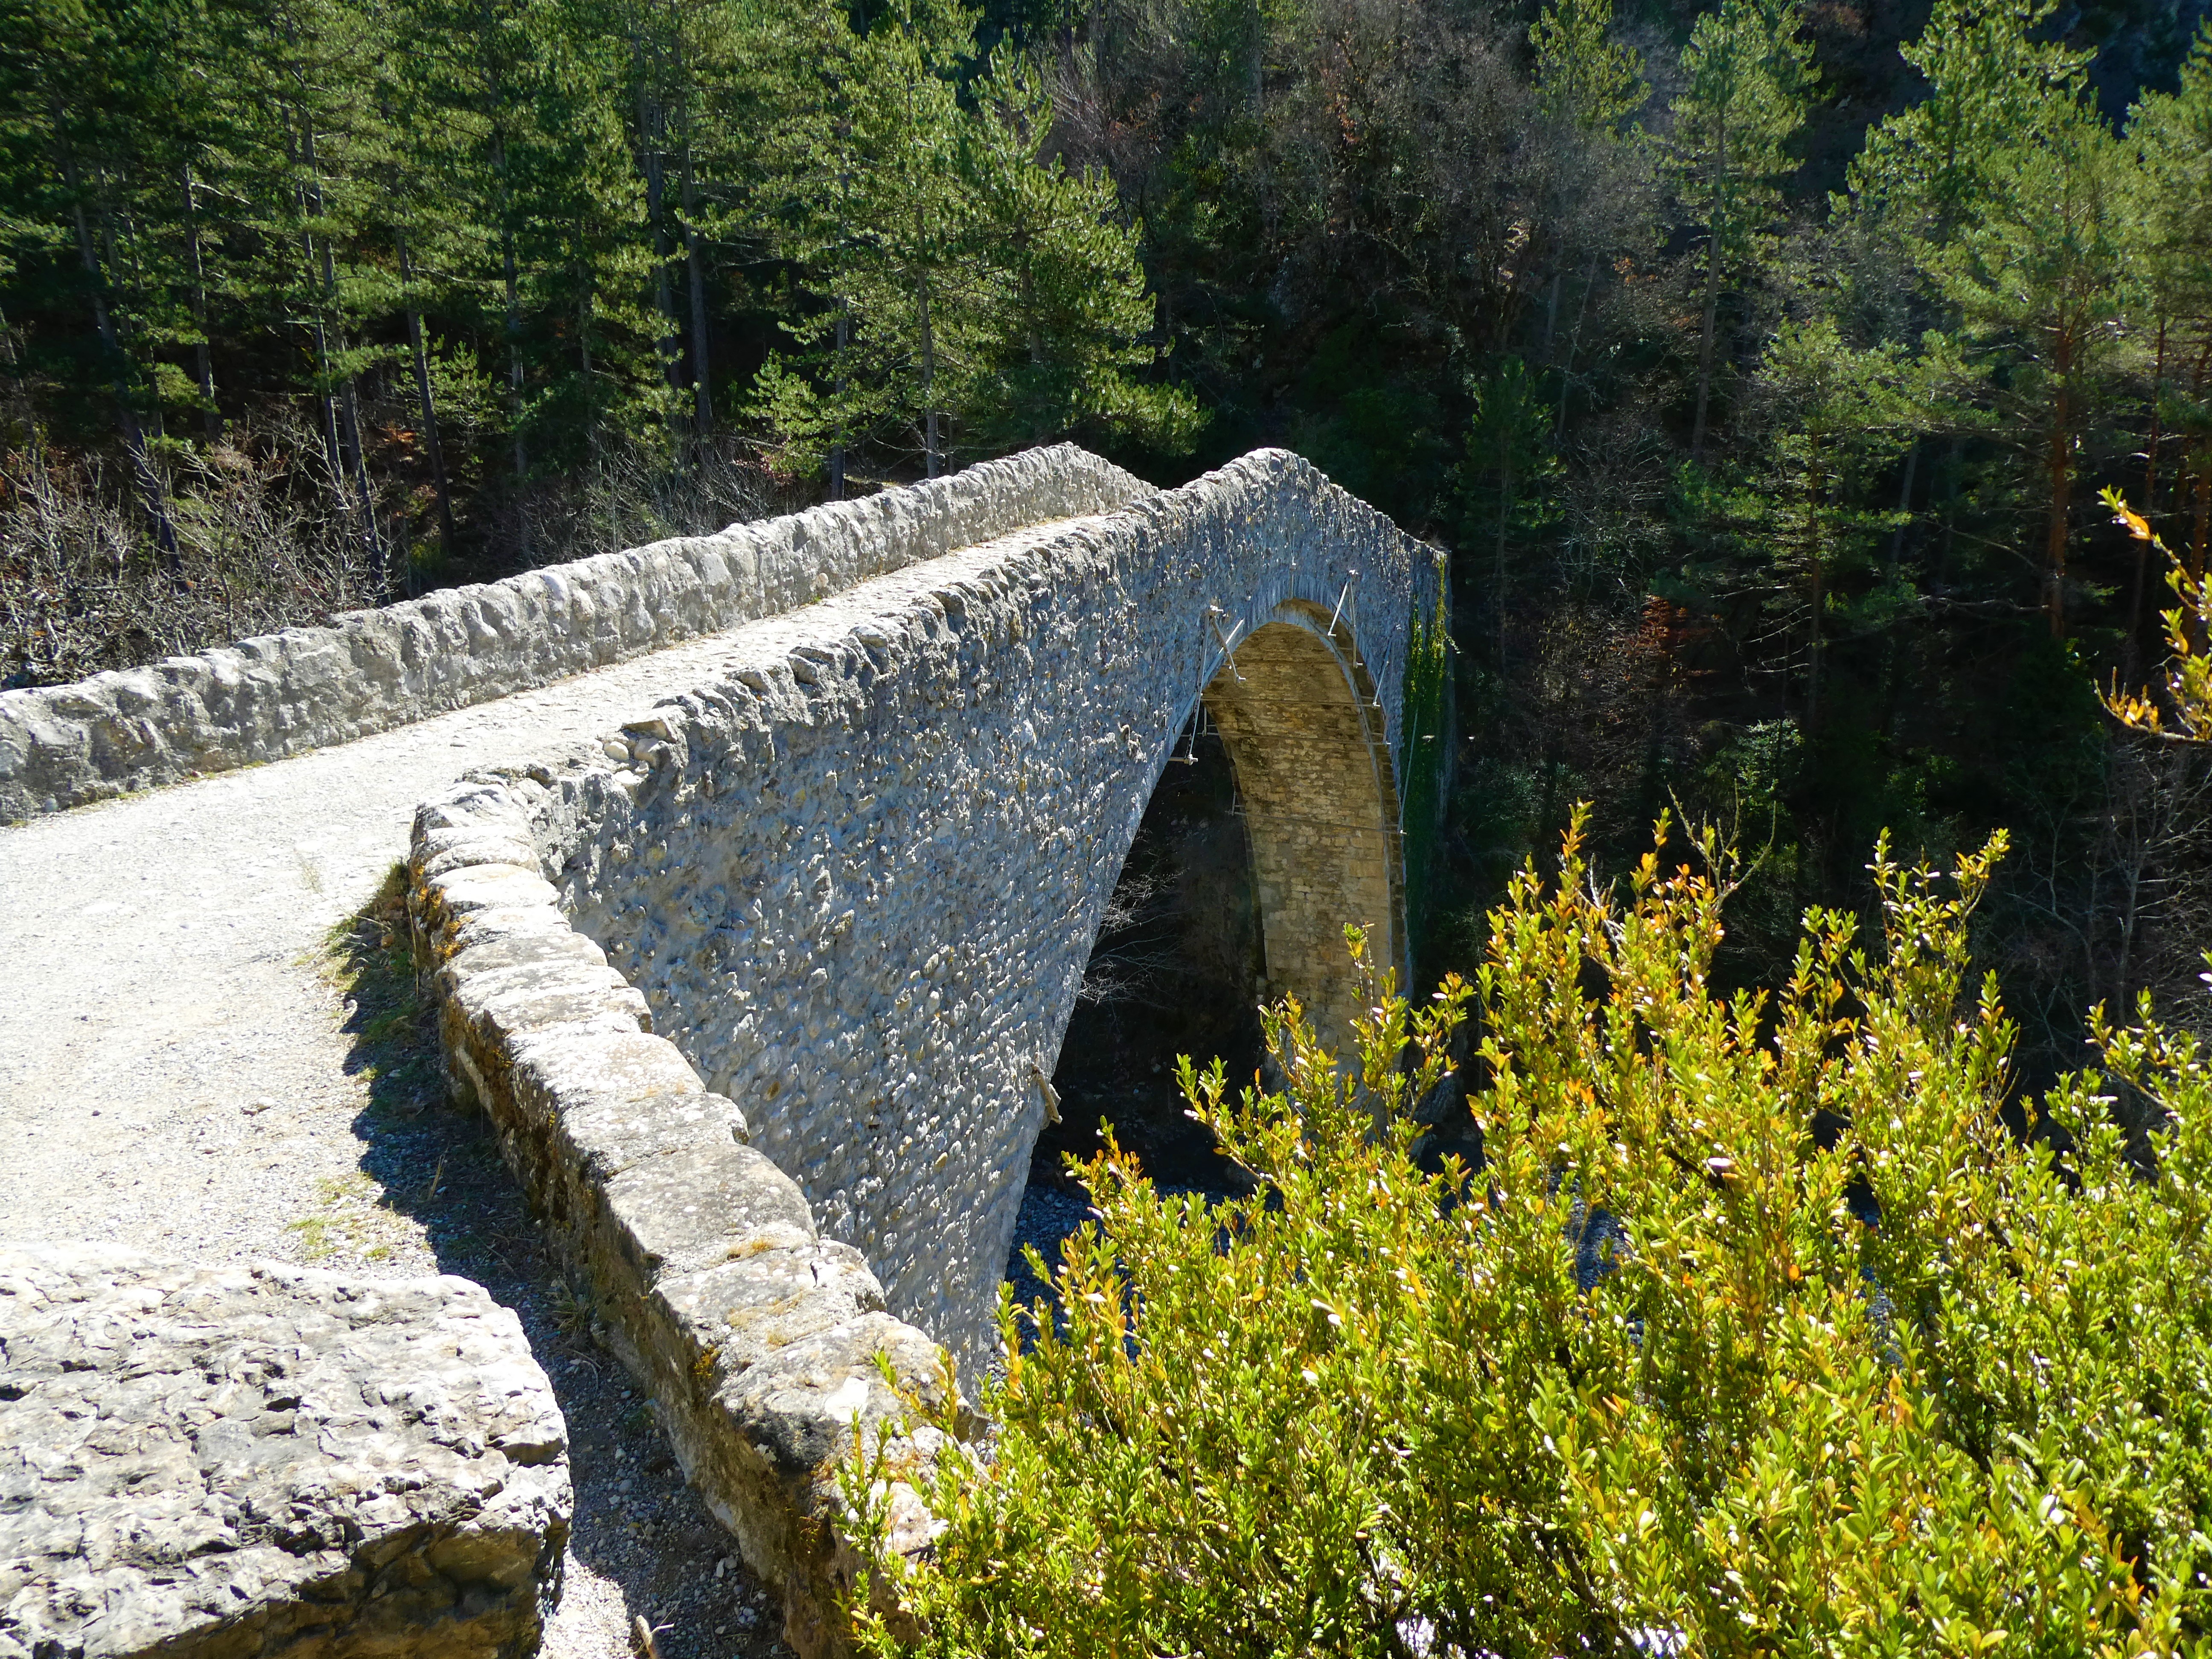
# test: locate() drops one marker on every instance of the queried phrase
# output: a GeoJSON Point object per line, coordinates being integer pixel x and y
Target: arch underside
{"type": "Point", "coordinates": [1304, 731]}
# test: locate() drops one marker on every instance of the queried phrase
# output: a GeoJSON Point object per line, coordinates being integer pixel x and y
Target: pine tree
{"type": "Point", "coordinates": [2041, 273]}
{"type": "Point", "coordinates": [1748, 78]}
{"type": "Point", "coordinates": [461, 86]}
{"type": "Point", "coordinates": [1582, 75]}
{"type": "Point", "coordinates": [307, 161]}
{"type": "Point", "coordinates": [1061, 346]}
{"type": "Point", "coordinates": [2173, 132]}
{"type": "Point", "coordinates": [1836, 418]}
{"type": "Point", "coordinates": [100, 130]}
{"type": "Point", "coordinates": [581, 236]}
{"type": "Point", "coordinates": [2008, 188]}
{"type": "Point", "coordinates": [1508, 455]}
{"type": "Point", "coordinates": [801, 67]}
{"type": "Point", "coordinates": [870, 192]}
{"type": "Point", "coordinates": [958, 280]}
{"type": "Point", "coordinates": [1989, 86]}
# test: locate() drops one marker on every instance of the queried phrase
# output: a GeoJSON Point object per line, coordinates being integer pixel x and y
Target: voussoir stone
{"type": "Point", "coordinates": [240, 1461]}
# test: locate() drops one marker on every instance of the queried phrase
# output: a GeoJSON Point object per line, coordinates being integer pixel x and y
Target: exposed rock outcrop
{"type": "Point", "coordinates": [234, 1462]}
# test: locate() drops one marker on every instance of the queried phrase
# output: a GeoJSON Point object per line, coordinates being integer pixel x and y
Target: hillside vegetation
{"type": "Point", "coordinates": [1771, 368]}
{"type": "Point", "coordinates": [1753, 1329]}
{"type": "Point", "coordinates": [1760, 362]}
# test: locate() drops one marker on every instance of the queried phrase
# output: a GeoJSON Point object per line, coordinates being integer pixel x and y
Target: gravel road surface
{"type": "Point", "coordinates": [187, 1066]}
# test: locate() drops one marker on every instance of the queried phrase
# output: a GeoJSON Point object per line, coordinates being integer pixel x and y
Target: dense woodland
{"type": "Point", "coordinates": [1762, 364]}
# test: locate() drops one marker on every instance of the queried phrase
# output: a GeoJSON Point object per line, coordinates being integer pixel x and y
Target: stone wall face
{"type": "Point", "coordinates": [857, 881]}
{"type": "Point", "coordinates": [249, 1462]}
{"type": "Point", "coordinates": [307, 688]}
{"type": "Point", "coordinates": [1298, 714]}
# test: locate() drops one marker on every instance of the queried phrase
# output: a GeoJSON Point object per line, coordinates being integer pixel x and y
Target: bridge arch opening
{"type": "Point", "coordinates": [1273, 823]}
{"type": "Point", "coordinates": [1298, 714]}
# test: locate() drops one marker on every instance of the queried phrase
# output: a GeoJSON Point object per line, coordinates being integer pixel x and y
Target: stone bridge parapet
{"type": "Point", "coordinates": [370, 671]}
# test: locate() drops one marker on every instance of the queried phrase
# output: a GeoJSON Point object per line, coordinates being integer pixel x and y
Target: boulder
{"type": "Point", "coordinates": [236, 1461]}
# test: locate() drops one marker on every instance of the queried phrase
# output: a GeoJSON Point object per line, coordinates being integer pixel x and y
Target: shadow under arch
{"type": "Point", "coordinates": [1273, 823]}
{"type": "Point", "coordinates": [1299, 713]}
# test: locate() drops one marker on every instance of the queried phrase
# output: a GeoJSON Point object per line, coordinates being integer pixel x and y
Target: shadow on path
{"type": "Point", "coordinates": [639, 1529]}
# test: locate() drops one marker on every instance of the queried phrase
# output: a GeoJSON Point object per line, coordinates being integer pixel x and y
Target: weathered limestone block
{"type": "Point", "coordinates": [233, 1462]}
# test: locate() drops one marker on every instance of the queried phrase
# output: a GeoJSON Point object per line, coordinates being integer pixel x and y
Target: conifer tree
{"type": "Point", "coordinates": [1747, 75]}
{"type": "Point", "coordinates": [868, 192]}
{"type": "Point", "coordinates": [1587, 84]}
{"type": "Point", "coordinates": [1062, 344]}
{"type": "Point", "coordinates": [2041, 271]}
{"type": "Point", "coordinates": [94, 122]}
{"type": "Point", "coordinates": [957, 278]}
{"type": "Point", "coordinates": [1508, 455]}
{"type": "Point", "coordinates": [2174, 133]}
{"type": "Point", "coordinates": [1837, 417]}
{"type": "Point", "coordinates": [2011, 192]}
{"type": "Point", "coordinates": [317, 139]}
{"type": "Point", "coordinates": [463, 85]}
{"type": "Point", "coordinates": [1583, 75]}
{"type": "Point", "coordinates": [1989, 86]}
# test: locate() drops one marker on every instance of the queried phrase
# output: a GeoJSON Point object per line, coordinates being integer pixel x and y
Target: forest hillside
{"type": "Point", "coordinates": [1761, 363]}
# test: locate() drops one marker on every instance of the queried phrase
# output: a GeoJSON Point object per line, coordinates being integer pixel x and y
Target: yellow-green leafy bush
{"type": "Point", "coordinates": [1756, 1330]}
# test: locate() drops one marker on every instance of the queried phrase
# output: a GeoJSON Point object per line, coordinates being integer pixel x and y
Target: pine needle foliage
{"type": "Point", "coordinates": [1757, 1330]}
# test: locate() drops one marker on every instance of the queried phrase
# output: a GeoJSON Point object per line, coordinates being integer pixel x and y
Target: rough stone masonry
{"type": "Point", "coordinates": [852, 884]}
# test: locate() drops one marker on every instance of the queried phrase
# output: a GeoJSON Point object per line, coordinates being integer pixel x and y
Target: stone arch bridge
{"type": "Point", "coordinates": [763, 981]}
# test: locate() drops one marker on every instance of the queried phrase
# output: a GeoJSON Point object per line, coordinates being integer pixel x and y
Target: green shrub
{"type": "Point", "coordinates": [1756, 1331]}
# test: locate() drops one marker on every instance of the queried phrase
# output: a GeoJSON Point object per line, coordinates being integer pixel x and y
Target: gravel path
{"type": "Point", "coordinates": [186, 1066]}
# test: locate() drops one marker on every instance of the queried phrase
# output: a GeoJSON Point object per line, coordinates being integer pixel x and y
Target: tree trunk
{"type": "Point", "coordinates": [333, 450]}
{"type": "Point", "coordinates": [2131, 646]}
{"type": "Point", "coordinates": [2201, 453]}
{"type": "Point", "coordinates": [1904, 509]}
{"type": "Point", "coordinates": [356, 464]}
{"type": "Point", "coordinates": [2061, 468]}
{"type": "Point", "coordinates": [702, 402]}
{"type": "Point", "coordinates": [1504, 507]}
{"type": "Point", "coordinates": [837, 449]}
{"type": "Point", "coordinates": [1255, 63]}
{"type": "Point", "coordinates": [515, 358]}
{"type": "Point", "coordinates": [928, 375]}
{"type": "Point", "coordinates": [650, 124]}
{"type": "Point", "coordinates": [2203, 528]}
{"type": "Point", "coordinates": [151, 496]}
{"type": "Point", "coordinates": [584, 332]}
{"type": "Point", "coordinates": [514, 329]}
{"type": "Point", "coordinates": [1819, 591]}
{"type": "Point", "coordinates": [202, 352]}
{"type": "Point", "coordinates": [431, 445]}
{"type": "Point", "coordinates": [1705, 341]}
{"type": "Point", "coordinates": [1574, 343]}
{"type": "Point", "coordinates": [1943, 548]}
{"type": "Point", "coordinates": [1889, 652]}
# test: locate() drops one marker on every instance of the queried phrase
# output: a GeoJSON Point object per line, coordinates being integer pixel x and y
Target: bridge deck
{"type": "Point", "coordinates": [165, 970]}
